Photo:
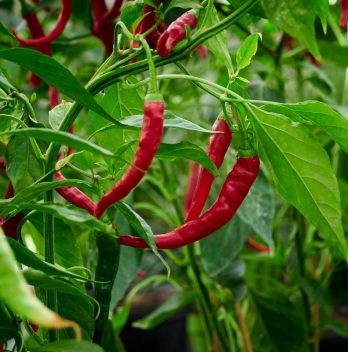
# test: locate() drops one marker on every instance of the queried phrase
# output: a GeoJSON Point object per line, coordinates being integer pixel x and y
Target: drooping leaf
{"type": "Point", "coordinates": [186, 150]}
{"type": "Point", "coordinates": [303, 174]}
{"type": "Point", "coordinates": [318, 113]}
{"type": "Point", "coordinates": [55, 75]}
{"type": "Point", "coordinates": [142, 228]}
{"type": "Point", "coordinates": [59, 137]}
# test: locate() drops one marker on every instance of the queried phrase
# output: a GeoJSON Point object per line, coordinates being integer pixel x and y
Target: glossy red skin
{"type": "Point", "coordinates": [344, 13]}
{"type": "Point", "coordinates": [150, 138]}
{"type": "Point", "coordinates": [42, 40]}
{"type": "Point", "coordinates": [103, 27]}
{"type": "Point", "coordinates": [235, 188]}
{"type": "Point", "coordinates": [191, 187]}
{"type": "Point", "coordinates": [258, 247]}
{"type": "Point", "coordinates": [175, 33]}
{"type": "Point", "coordinates": [108, 16]}
{"type": "Point", "coordinates": [217, 148]}
{"type": "Point", "coordinates": [53, 96]}
{"type": "Point", "coordinates": [74, 196]}
{"type": "Point", "coordinates": [10, 226]}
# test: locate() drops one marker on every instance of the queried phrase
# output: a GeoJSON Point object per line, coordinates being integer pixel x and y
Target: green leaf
{"type": "Point", "coordinates": [59, 137]}
{"type": "Point", "coordinates": [334, 52]}
{"type": "Point", "coordinates": [23, 168]}
{"type": "Point", "coordinates": [247, 50]}
{"type": "Point", "coordinates": [295, 17]}
{"type": "Point", "coordinates": [303, 174]}
{"type": "Point", "coordinates": [321, 8]}
{"type": "Point", "coordinates": [175, 303]}
{"type": "Point", "coordinates": [57, 114]}
{"type": "Point", "coordinates": [184, 4]}
{"type": "Point", "coordinates": [131, 11]}
{"type": "Point", "coordinates": [54, 74]}
{"type": "Point", "coordinates": [218, 44]}
{"type": "Point", "coordinates": [258, 209]}
{"type": "Point", "coordinates": [79, 309]}
{"type": "Point", "coordinates": [66, 242]}
{"type": "Point", "coordinates": [40, 279]}
{"type": "Point", "coordinates": [171, 120]}
{"type": "Point", "coordinates": [69, 215]}
{"type": "Point", "coordinates": [142, 228]}
{"type": "Point", "coordinates": [5, 31]}
{"type": "Point", "coordinates": [321, 114]}
{"type": "Point", "coordinates": [276, 323]}
{"type": "Point", "coordinates": [69, 346]}
{"type": "Point", "coordinates": [33, 191]}
{"type": "Point", "coordinates": [32, 260]}
{"type": "Point", "coordinates": [130, 259]}
{"type": "Point", "coordinates": [220, 248]}
{"type": "Point", "coordinates": [186, 150]}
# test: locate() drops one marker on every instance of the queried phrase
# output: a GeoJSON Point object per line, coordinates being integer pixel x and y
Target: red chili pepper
{"type": "Point", "coordinates": [103, 28]}
{"type": "Point", "coordinates": [235, 188]}
{"type": "Point", "coordinates": [217, 148]}
{"type": "Point", "coordinates": [36, 31]}
{"type": "Point", "coordinates": [10, 226]}
{"type": "Point", "coordinates": [175, 33]}
{"type": "Point", "coordinates": [108, 16]}
{"type": "Point", "coordinates": [53, 96]}
{"type": "Point", "coordinates": [258, 247]}
{"type": "Point", "coordinates": [191, 187]}
{"type": "Point", "coordinates": [147, 23]}
{"type": "Point", "coordinates": [150, 138]}
{"type": "Point", "coordinates": [344, 13]}
{"type": "Point", "coordinates": [63, 19]}
{"type": "Point", "coordinates": [74, 196]}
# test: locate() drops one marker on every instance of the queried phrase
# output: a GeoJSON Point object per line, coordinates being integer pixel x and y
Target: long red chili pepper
{"type": "Point", "coordinates": [74, 196]}
{"type": "Point", "coordinates": [235, 188]}
{"type": "Point", "coordinates": [175, 33]}
{"type": "Point", "coordinates": [217, 148]}
{"type": "Point", "coordinates": [191, 187]}
{"type": "Point", "coordinates": [150, 138]}
{"type": "Point", "coordinates": [63, 19]}
{"type": "Point", "coordinates": [258, 247]}
{"type": "Point", "coordinates": [103, 28]}
{"type": "Point", "coordinates": [36, 31]}
{"type": "Point", "coordinates": [108, 16]}
{"type": "Point", "coordinates": [344, 13]}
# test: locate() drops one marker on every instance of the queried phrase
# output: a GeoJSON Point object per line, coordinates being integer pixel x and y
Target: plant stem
{"type": "Point", "coordinates": [246, 338]}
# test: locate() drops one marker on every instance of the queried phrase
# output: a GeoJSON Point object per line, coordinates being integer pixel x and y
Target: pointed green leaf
{"type": "Point", "coordinates": [303, 174]}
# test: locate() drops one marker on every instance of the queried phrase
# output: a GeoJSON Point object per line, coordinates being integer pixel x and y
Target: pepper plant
{"type": "Point", "coordinates": [208, 137]}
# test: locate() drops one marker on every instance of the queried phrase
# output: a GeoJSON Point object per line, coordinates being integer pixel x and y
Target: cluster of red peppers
{"type": "Point", "coordinates": [237, 183]}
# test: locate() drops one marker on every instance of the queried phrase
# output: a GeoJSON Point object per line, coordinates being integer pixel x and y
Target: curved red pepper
{"type": "Point", "coordinates": [344, 13]}
{"type": "Point", "coordinates": [258, 247]}
{"type": "Point", "coordinates": [235, 188]}
{"type": "Point", "coordinates": [36, 31]}
{"type": "Point", "coordinates": [175, 33]}
{"type": "Point", "coordinates": [74, 196]}
{"type": "Point", "coordinates": [217, 148]}
{"type": "Point", "coordinates": [150, 138]}
{"type": "Point", "coordinates": [191, 187]}
{"type": "Point", "coordinates": [63, 19]}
